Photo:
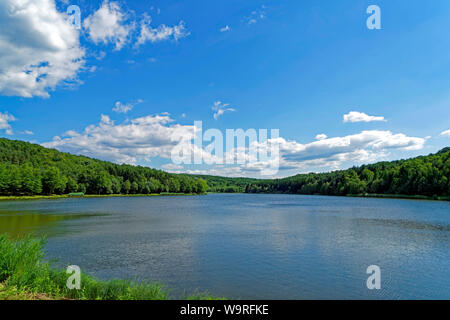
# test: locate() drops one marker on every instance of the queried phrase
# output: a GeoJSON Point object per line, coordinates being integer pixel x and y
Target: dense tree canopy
{"type": "Point", "coordinates": [29, 169]}
{"type": "Point", "coordinates": [227, 185]}
{"type": "Point", "coordinates": [425, 175]}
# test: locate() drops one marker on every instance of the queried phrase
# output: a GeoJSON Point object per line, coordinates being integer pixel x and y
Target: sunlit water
{"type": "Point", "coordinates": [249, 246]}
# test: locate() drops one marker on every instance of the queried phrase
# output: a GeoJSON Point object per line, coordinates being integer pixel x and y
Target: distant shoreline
{"type": "Point", "coordinates": [400, 196]}
{"type": "Point", "coordinates": [66, 196]}
{"type": "Point", "coordinates": [370, 195]}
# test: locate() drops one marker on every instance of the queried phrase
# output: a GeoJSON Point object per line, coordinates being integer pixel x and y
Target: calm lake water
{"type": "Point", "coordinates": [248, 246]}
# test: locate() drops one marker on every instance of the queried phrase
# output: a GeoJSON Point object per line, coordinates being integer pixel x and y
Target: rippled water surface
{"type": "Point", "coordinates": [249, 246]}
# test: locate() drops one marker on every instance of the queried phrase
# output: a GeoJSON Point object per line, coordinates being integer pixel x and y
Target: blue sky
{"type": "Point", "coordinates": [296, 66]}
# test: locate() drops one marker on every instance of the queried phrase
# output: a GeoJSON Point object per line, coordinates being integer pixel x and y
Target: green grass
{"type": "Point", "coordinates": [12, 293]}
{"type": "Point", "coordinates": [24, 274]}
{"type": "Point", "coordinates": [10, 198]}
{"type": "Point", "coordinates": [64, 196]}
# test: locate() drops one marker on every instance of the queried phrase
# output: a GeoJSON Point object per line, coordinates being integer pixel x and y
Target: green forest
{"type": "Point", "coordinates": [227, 185]}
{"type": "Point", "coordinates": [29, 169]}
{"type": "Point", "coordinates": [425, 176]}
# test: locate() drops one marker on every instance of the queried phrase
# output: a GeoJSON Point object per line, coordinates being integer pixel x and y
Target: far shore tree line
{"type": "Point", "coordinates": [29, 169]}
{"type": "Point", "coordinates": [425, 175]}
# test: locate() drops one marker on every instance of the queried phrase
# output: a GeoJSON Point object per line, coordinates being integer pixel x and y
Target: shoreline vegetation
{"type": "Point", "coordinates": [423, 177]}
{"type": "Point", "coordinates": [30, 171]}
{"type": "Point", "coordinates": [67, 196]}
{"type": "Point", "coordinates": [367, 195]}
{"type": "Point", "coordinates": [25, 275]}
{"type": "Point", "coordinates": [400, 196]}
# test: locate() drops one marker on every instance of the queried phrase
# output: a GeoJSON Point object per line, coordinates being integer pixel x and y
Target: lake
{"type": "Point", "coordinates": [249, 246]}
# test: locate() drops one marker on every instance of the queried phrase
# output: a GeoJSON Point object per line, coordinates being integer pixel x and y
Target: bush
{"type": "Point", "coordinates": [22, 266]}
{"type": "Point", "coordinates": [23, 270]}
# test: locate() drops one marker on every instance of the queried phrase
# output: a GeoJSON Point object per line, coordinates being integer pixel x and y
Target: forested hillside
{"type": "Point", "coordinates": [227, 185]}
{"type": "Point", "coordinates": [425, 175]}
{"type": "Point", "coordinates": [29, 169]}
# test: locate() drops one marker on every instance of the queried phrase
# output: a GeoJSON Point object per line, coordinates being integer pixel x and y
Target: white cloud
{"type": "Point", "coordinates": [39, 48]}
{"type": "Point", "coordinates": [161, 33]}
{"type": "Point", "coordinates": [257, 15]}
{"type": "Point", "coordinates": [218, 170]}
{"type": "Point", "coordinates": [171, 167]}
{"type": "Point", "coordinates": [355, 116]}
{"type": "Point", "coordinates": [225, 29]}
{"type": "Point", "coordinates": [327, 154]}
{"type": "Point", "coordinates": [321, 136]}
{"type": "Point", "coordinates": [100, 55]}
{"type": "Point", "coordinates": [129, 142]}
{"type": "Point", "coordinates": [445, 133]}
{"type": "Point", "coordinates": [120, 107]}
{"type": "Point", "coordinates": [366, 146]}
{"type": "Point", "coordinates": [109, 24]}
{"type": "Point", "coordinates": [28, 132]}
{"type": "Point", "coordinates": [322, 155]}
{"type": "Point", "coordinates": [152, 136]}
{"type": "Point", "coordinates": [5, 119]}
{"type": "Point", "coordinates": [158, 10]}
{"type": "Point", "coordinates": [220, 108]}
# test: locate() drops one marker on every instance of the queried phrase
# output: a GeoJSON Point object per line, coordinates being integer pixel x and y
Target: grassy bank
{"type": "Point", "coordinates": [64, 196]}
{"type": "Point", "coordinates": [24, 275]}
{"type": "Point", "coordinates": [369, 195]}
{"type": "Point", "coordinates": [400, 196]}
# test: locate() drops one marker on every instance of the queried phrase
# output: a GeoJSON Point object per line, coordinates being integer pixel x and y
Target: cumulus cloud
{"type": "Point", "coordinates": [355, 116]}
{"type": "Point", "coordinates": [171, 167]}
{"type": "Point", "coordinates": [120, 107]}
{"type": "Point", "coordinates": [160, 33]}
{"type": "Point", "coordinates": [220, 108]}
{"type": "Point", "coordinates": [109, 24]}
{"type": "Point", "coordinates": [5, 119]}
{"type": "Point", "coordinates": [219, 170]}
{"type": "Point", "coordinates": [144, 138]}
{"type": "Point", "coordinates": [321, 136]}
{"type": "Point", "coordinates": [445, 133]}
{"type": "Point", "coordinates": [140, 139]}
{"type": "Point", "coordinates": [321, 155]}
{"type": "Point", "coordinates": [362, 147]}
{"type": "Point", "coordinates": [39, 48]}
